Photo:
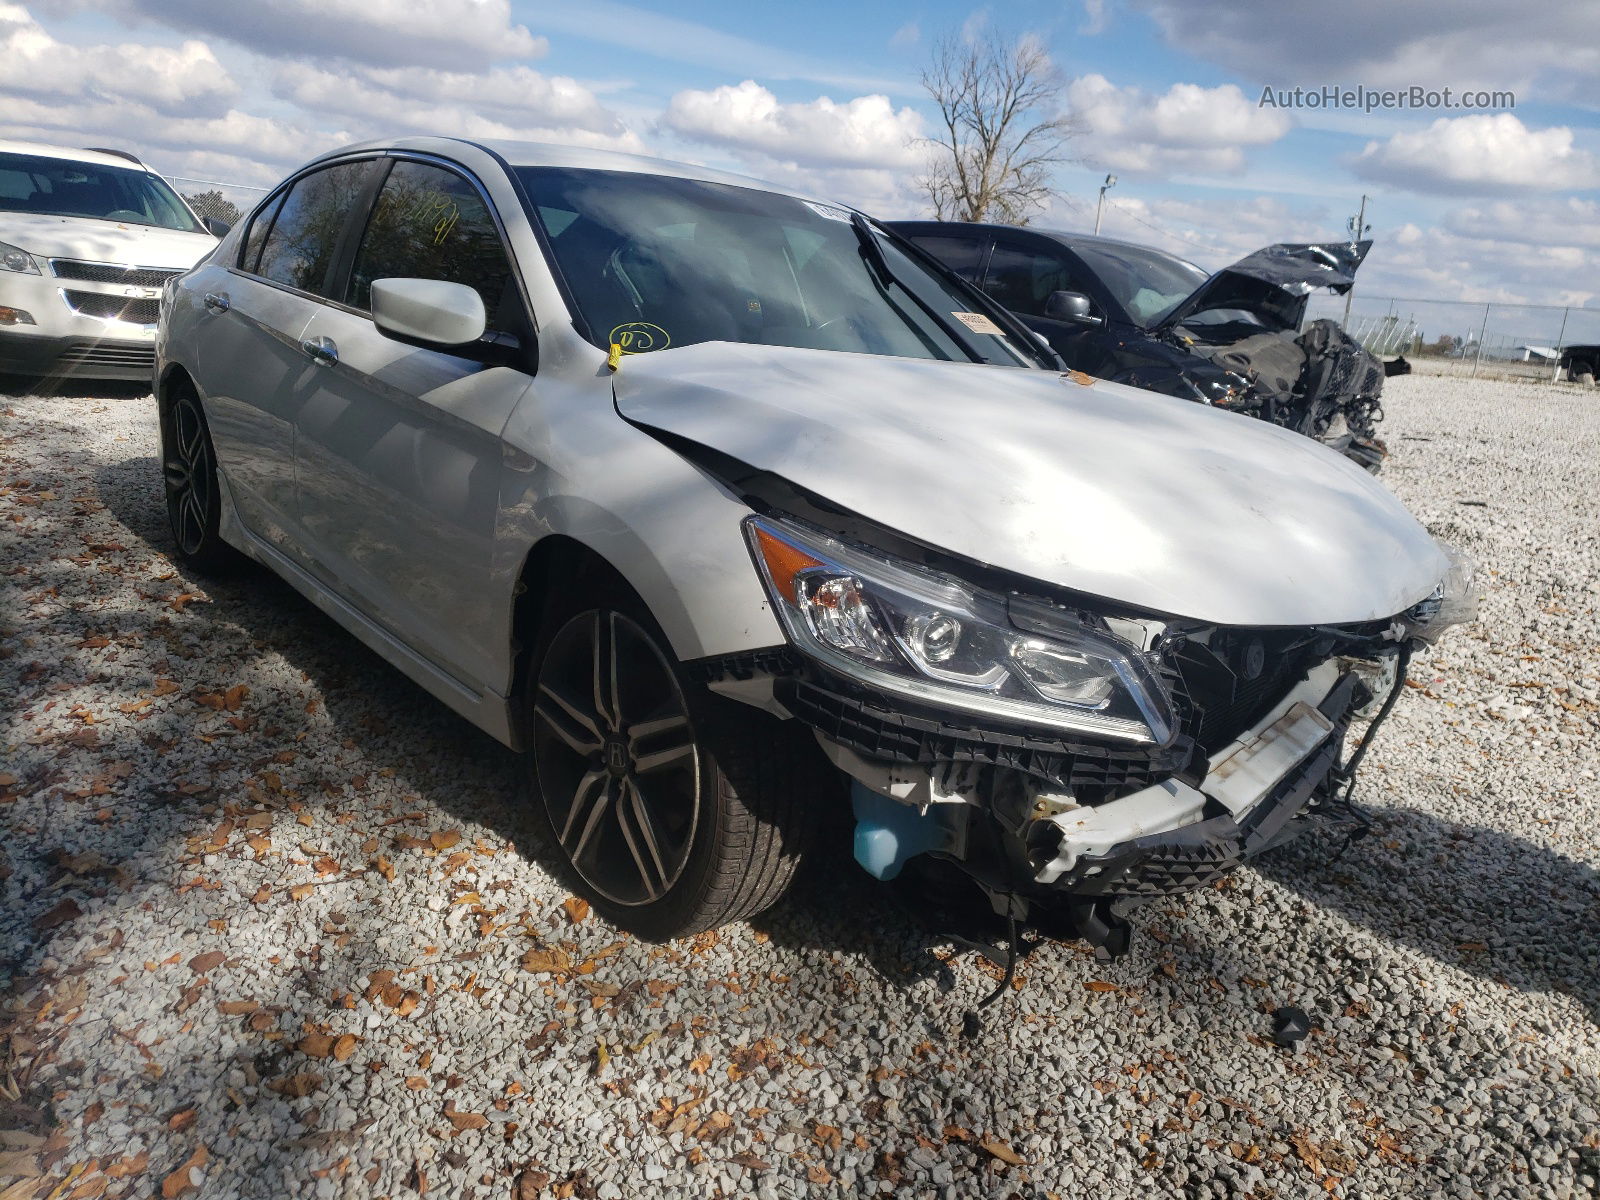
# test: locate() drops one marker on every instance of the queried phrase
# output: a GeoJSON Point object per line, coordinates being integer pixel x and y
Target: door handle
{"type": "Point", "coordinates": [321, 351]}
{"type": "Point", "coordinates": [218, 302]}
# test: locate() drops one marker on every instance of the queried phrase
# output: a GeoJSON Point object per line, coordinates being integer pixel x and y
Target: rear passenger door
{"type": "Point", "coordinates": [398, 448]}
{"type": "Point", "coordinates": [252, 369]}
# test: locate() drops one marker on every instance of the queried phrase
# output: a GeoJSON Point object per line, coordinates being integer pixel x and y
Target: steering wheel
{"type": "Point", "coordinates": [124, 214]}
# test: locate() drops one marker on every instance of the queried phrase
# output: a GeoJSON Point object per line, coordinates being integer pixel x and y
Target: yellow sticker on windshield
{"type": "Point", "coordinates": [640, 337]}
{"type": "Point", "coordinates": [979, 323]}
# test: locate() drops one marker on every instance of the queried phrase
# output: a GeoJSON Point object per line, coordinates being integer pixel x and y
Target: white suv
{"type": "Point", "coordinates": [87, 238]}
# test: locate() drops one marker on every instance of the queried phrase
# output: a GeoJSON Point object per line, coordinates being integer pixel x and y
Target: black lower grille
{"type": "Point", "coordinates": [114, 308]}
{"type": "Point", "coordinates": [93, 272]}
{"type": "Point", "coordinates": [1094, 773]}
{"type": "Point", "coordinates": [140, 357]}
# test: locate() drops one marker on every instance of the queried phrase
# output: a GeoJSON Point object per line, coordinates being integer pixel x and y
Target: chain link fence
{"type": "Point", "coordinates": [220, 201]}
{"type": "Point", "coordinates": [1533, 342]}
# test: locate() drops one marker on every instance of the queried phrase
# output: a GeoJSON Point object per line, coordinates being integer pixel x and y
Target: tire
{"type": "Point", "coordinates": [693, 815]}
{"type": "Point", "coordinates": [189, 478]}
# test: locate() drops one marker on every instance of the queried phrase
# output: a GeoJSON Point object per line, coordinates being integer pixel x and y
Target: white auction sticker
{"type": "Point", "coordinates": [979, 323]}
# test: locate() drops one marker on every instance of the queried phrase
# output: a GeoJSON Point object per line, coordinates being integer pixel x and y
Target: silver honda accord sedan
{"type": "Point", "coordinates": [728, 506]}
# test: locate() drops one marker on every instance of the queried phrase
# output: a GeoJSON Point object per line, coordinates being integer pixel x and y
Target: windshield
{"type": "Point", "coordinates": [63, 187]}
{"type": "Point", "coordinates": [1147, 283]}
{"type": "Point", "coordinates": [652, 262]}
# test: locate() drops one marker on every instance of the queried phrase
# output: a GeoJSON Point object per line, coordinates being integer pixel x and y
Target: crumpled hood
{"type": "Point", "coordinates": [1158, 503]}
{"type": "Point", "coordinates": [103, 241]}
{"type": "Point", "coordinates": [1274, 281]}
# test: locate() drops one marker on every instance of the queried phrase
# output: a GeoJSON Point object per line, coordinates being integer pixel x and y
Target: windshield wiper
{"type": "Point", "coordinates": [1027, 342]}
{"type": "Point", "coordinates": [872, 251]}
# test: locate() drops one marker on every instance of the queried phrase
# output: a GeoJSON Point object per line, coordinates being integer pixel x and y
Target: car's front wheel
{"type": "Point", "coordinates": [676, 809]}
{"type": "Point", "coordinates": [189, 473]}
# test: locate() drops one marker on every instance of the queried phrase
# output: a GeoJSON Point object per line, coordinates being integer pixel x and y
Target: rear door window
{"type": "Point", "coordinates": [431, 223]}
{"type": "Point", "coordinates": [299, 249]}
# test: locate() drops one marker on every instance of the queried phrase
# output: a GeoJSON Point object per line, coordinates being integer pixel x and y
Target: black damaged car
{"type": "Point", "coordinates": [1140, 316]}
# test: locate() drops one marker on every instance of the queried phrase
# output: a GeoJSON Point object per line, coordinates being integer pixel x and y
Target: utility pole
{"type": "Point", "coordinates": [1357, 225]}
{"type": "Point", "coordinates": [1111, 182]}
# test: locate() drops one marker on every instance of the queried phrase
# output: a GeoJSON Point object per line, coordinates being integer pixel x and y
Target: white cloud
{"type": "Point", "coordinates": [1187, 127]}
{"type": "Point", "coordinates": [450, 34]}
{"type": "Point", "coordinates": [1094, 18]}
{"type": "Point", "coordinates": [182, 79]}
{"type": "Point", "coordinates": [1480, 44]}
{"type": "Point", "coordinates": [501, 102]}
{"type": "Point", "coordinates": [907, 36]}
{"type": "Point", "coordinates": [748, 119]}
{"type": "Point", "coordinates": [1481, 154]}
{"type": "Point", "coordinates": [237, 146]}
{"type": "Point", "coordinates": [1570, 221]}
{"type": "Point", "coordinates": [1543, 259]}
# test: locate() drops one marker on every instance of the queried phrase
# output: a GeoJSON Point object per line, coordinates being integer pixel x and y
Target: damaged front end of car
{"type": "Point", "coordinates": [1242, 344]}
{"type": "Point", "coordinates": [1070, 759]}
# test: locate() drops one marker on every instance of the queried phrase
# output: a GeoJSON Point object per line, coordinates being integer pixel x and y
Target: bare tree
{"type": "Point", "coordinates": [992, 159]}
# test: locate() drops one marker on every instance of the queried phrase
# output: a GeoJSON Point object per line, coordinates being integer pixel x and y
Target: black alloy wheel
{"type": "Point", "coordinates": [616, 756]}
{"type": "Point", "coordinates": [189, 472]}
{"type": "Point", "coordinates": [674, 809]}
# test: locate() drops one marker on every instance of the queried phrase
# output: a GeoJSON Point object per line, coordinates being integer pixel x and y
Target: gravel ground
{"type": "Point", "coordinates": [266, 934]}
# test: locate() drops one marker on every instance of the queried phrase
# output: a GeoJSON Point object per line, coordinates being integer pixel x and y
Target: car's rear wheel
{"type": "Point", "coordinates": [676, 810]}
{"type": "Point", "coordinates": [189, 472]}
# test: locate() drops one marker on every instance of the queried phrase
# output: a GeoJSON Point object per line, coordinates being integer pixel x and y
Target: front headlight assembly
{"type": "Point", "coordinates": [930, 638]}
{"type": "Point", "coordinates": [1453, 602]}
{"type": "Point", "coordinates": [15, 258]}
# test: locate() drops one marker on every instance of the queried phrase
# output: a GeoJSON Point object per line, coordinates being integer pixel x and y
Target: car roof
{"type": "Point", "coordinates": [547, 154]}
{"type": "Point", "coordinates": [1061, 235]}
{"type": "Point", "coordinates": [72, 154]}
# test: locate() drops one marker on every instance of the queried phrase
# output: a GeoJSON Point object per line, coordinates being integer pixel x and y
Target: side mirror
{"type": "Point", "coordinates": [1072, 307]}
{"type": "Point", "coordinates": [215, 227]}
{"type": "Point", "coordinates": [428, 312]}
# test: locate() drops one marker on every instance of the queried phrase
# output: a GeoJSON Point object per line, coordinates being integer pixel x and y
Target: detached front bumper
{"type": "Point", "coordinates": [1175, 838]}
{"type": "Point", "coordinates": [1180, 827]}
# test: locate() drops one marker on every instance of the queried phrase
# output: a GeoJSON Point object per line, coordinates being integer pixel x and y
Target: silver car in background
{"type": "Point", "coordinates": [728, 505]}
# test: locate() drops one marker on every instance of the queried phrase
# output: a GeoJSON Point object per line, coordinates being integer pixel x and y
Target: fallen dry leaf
{"type": "Point", "coordinates": [133, 1164]}
{"type": "Point", "coordinates": [444, 839]}
{"type": "Point", "coordinates": [463, 1120]}
{"type": "Point", "coordinates": [67, 910]}
{"type": "Point", "coordinates": [576, 908]}
{"type": "Point", "coordinates": [209, 961]}
{"type": "Point", "coordinates": [182, 1119]}
{"type": "Point", "coordinates": [187, 1177]}
{"type": "Point", "coordinates": [995, 1147]}
{"type": "Point", "coordinates": [297, 1086]}
{"type": "Point", "coordinates": [547, 960]}
{"type": "Point", "coordinates": [1100, 985]}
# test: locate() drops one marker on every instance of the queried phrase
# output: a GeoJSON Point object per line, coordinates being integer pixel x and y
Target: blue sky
{"type": "Point", "coordinates": [1498, 203]}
